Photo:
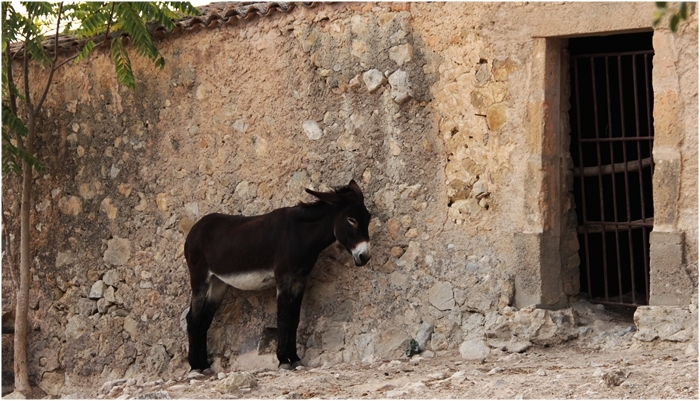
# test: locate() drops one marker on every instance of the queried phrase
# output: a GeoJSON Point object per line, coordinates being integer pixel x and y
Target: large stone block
{"type": "Point", "coordinates": [236, 381]}
{"type": "Point", "coordinates": [538, 326]}
{"type": "Point", "coordinates": [118, 251]}
{"type": "Point", "coordinates": [496, 116]}
{"type": "Point", "coordinates": [666, 187]}
{"type": "Point", "coordinates": [670, 283]}
{"type": "Point", "coordinates": [312, 130]}
{"type": "Point", "coordinates": [538, 278]}
{"type": "Point", "coordinates": [333, 339]}
{"type": "Point", "coordinates": [97, 290]}
{"type": "Point", "coordinates": [157, 358]}
{"type": "Point", "coordinates": [401, 54]}
{"type": "Point", "coordinates": [373, 79]}
{"type": "Point", "coordinates": [666, 323]}
{"type": "Point", "coordinates": [391, 344]}
{"type": "Point", "coordinates": [423, 335]}
{"type": "Point", "coordinates": [474, 350]}
{"type": "Point", "coordinates": [52, 383]}
{"type": "Point", "coordinates": [441, 296]}
{"type": "Point", "coordinates": [70, 205]}
{"type": "Point", "coordinates": [400, 86]}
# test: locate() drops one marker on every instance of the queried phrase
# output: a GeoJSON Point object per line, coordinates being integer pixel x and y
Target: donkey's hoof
{"type": "Point", "coordinates": [297, 364]}
{"type": "Point", "coordinates": [207, 371]}
{"type": "Point", "coordinates": [195, 374]}
{"type": "Point", "coordinates": [285, 366]}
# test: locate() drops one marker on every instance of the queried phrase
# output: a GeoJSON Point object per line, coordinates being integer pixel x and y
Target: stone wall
{"type": "Point", "coordinates": [442, 113]}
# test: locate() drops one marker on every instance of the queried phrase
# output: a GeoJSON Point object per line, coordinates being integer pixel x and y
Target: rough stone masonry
{"type": "Point", "coordinates": [428, 106]}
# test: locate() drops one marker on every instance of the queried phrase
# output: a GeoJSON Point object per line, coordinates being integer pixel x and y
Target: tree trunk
{"type": "Point", "coordinates": [22, 311]}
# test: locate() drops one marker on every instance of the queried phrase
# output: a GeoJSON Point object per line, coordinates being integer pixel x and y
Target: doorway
{"type": "Point", "coordinates": [612, 134]}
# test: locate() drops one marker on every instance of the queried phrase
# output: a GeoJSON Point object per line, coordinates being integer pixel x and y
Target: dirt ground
{"type": "Point", "coordinates": [631, 370]}
{"type": "Point", "coordinates": [604, 361]}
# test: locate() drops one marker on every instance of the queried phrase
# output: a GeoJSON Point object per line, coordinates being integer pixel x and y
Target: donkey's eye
{"type": "Point", "coordinates": [352, 221]}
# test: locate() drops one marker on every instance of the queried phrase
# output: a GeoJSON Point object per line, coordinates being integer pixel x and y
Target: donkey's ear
{"type": "Point", "coordinates": [328, 197]}
{"type": "Point", "coordinates": [356, 188]}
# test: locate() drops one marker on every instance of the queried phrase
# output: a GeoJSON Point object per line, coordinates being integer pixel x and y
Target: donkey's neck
{"type": "Point", "coordinates": [312, 212]}
{"type": "Point", "coordinates": [317, 224]}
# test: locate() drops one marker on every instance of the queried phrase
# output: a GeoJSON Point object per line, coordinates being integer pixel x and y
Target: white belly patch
{"type": "Point", "coordinates": [250, 281]}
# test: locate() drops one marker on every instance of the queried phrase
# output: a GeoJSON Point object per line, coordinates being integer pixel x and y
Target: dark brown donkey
{"type": "Point", "coordinates": [275, 249]}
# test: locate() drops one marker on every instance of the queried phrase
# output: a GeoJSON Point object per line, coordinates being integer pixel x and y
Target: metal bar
{"type": "Point", "coordinates": [635, 223]}
{"type": "Point", "coordinates": [638, 164]}
{"type": "Point", "coordinates": [590, 55]}
{"type": "Point", "coordinates": [650, 128]}
{"type": "Point", "coordinates": [620, 139]}
{"type": "Point", "coordinates": [600, 179]}
{"type": "Point", "coordinates": [583, 188]}
{"type": "Point", "coordinates": [624, 158]}
{"type": "Point", "coordinates": [612, 176]}
{"type": "Point", "coordinates": [617, 303]}
{"type": "Point", "coordinates": [598, 227]}
{"type": "Point", "coordinates": [615, 168]}
{"type": "Point", "coordinates": [645, 245]}
{"type": "Point", "coordinates": [639, 155]}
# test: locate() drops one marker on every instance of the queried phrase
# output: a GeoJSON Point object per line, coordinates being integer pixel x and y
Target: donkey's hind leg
{"type": "Point", "coordinates": [205, 302]}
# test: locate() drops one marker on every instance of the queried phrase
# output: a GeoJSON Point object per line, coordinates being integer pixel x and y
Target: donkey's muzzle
{"type": "Point", "coordinates": [361, 253]}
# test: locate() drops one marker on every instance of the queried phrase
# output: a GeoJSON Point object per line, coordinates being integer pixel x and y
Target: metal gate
{"type": "Point", "coordinates": [612, 138]}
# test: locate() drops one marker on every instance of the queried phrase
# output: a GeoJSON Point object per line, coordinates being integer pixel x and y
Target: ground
{"type": "Point", "coordinates": [604, 361]}
{"type": "Point", "coordinates": [630, 370]}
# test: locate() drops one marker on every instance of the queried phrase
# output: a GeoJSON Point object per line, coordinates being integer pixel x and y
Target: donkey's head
{"type": "Point", "coordinates": [352, 221]}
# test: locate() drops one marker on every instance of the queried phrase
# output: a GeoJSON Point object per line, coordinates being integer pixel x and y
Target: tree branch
{"type": "Point", "coordinates": [11, 83]}
{"type": "Point", "coordinates": [71, 58]}
{"type": "Point", "coordinates": [104, 41]}
{"type": "Point", "coordinates": [25, 66]}
{"type": "Point", "coordinates": [10, 254]}
{"type": "Point", "coordinates": [109, 24]}
{"type": "Point", "coordinates": [53, 62]}
{"type": "Point", "coordinates": [13, 98]}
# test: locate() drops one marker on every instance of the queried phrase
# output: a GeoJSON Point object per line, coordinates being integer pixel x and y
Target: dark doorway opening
{"type": "Point", "coordinates": [611, 118]}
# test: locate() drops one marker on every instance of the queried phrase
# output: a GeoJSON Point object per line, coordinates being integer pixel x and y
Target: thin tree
{"type": "Point", "coordinates": [99, 24]}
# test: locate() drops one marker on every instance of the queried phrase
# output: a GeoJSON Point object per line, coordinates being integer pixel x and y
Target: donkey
{"type": "Point", "coordinates": [275, 249]}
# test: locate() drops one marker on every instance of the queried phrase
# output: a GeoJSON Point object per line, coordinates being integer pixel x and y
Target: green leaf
{"type": "Point", "coordinates": [10, 162]}
{"type": "Point", "coordinates": [39, 9]}
{"type": "Point", "coordinates": [658, 16]}
{"type": "Point", "coordinates": [13, 156]}
{"type": "Point", "coordinates": [122, 64]}
{"type": "Point", "coordinates": [165, 17]}
{"type": "Point", "coordinates": [674, 22]}
{"type": "Point", "coordinates": [36, 49]}
{"type": "Point", "coordinates": [7, 85]}
{"type": "Point", "coordinates": [12, 122]}
{"type": "Point", "coordinates": [93, 24]}
{"type": "Point", "coordinates": [184, 7]}
{"type": "Point", "coordinates": [132, 23]}
{"type": "Point", "coordinates": [13, 23]}
{"type": "Point", "coordinates": [87, 48]}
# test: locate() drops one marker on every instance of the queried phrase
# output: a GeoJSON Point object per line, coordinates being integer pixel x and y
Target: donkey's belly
{"type": "Point", "coordinates": [249, 281]}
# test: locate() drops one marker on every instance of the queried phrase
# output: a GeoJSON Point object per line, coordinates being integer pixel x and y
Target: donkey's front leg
{"type": "Point", "coordinates": [289, 296]}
